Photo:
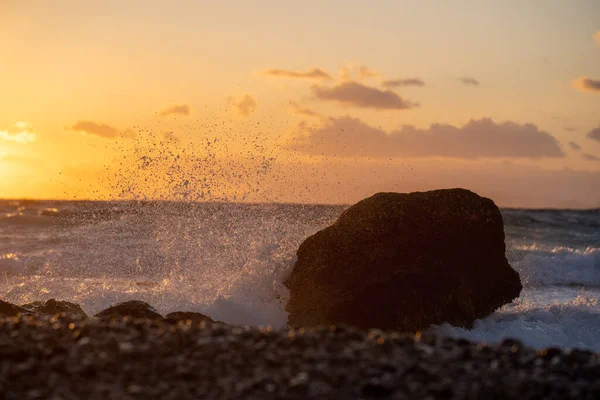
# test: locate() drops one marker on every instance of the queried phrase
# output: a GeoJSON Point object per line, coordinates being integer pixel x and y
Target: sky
{"type": "Point", "coordinates": [314, 101]}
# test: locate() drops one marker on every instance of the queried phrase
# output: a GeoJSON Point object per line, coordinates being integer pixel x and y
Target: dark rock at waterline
{"type": "Point", "coordinates": [133, 309]}
{"type": "Point", "coordinates": [53, 307]}
{"type": "Point", "coordinates": [405, 261]}
{"type": "Point", "coordinates": [194, 317]}
{"type": "Point", "coordinates": [11, 310]}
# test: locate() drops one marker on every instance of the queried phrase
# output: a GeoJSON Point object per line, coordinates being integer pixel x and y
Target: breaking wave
{"type": "Point", "coordinates": [572, 323]}
{"type": "Point", "coordinates": [545, 266]}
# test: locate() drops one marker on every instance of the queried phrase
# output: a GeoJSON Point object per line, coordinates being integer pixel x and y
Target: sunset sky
{"type": "Point", "coordinates": [313, 101]}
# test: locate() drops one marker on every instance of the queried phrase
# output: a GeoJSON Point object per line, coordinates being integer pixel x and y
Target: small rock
{"type": "Point", "coordinates": [134, 309]}
{"type": "Point", "coordinates": [11, 310]}
{"type": "Point", "coordinates": [53, 307]}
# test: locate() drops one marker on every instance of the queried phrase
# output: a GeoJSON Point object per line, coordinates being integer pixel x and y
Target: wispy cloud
{"type": "Point", "coordinates": [354, 94]}
{"type": "Point", "coordinates": [99, 129]}
{"type": "Point", "coordinates": [351, 137]}
{"type": "Point", "coordinates": [182, 109]}
{"type": "Point", "coordinates": [364, 72]}
{"type": "Point", "coordinates": [574, 146]}
{"type": "Point", "coordinates": [243, 106]}
{"type": "Point", "coordinates": [19, 133]}
{"type": "Point", "coordinates": [301, 110]}
{"type": "Point", "coordinates": [594, 134]}
{"type": "Point", "coordinates": [587, 84]}
{"type": "Point", "coordinates": [394, 83]}
{"type": "Point", "coordinates": [597, 37]}
{"type": "Point", "coordinates": [465, 80]}
{"type": "Point", "coordinates": [590, 157]}
{"type": "Point", "coordinates": [313, 73]}
{"type": "Point", "coordinates": [351, 72]}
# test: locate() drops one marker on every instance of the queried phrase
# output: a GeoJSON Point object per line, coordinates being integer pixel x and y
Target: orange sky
{"type": "Point", "coordinates": [308, 102]}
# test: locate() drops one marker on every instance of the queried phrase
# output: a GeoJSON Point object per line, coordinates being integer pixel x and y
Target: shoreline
{"type": "Point", "coordinates": [52, 357]}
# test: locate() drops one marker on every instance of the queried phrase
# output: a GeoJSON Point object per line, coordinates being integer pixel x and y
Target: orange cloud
{"type": "Point", "coordinates": [19, 133]}
{"type": "Point", "coordinates": [361, 72]}
{"type": "Point", "coordinates": [468, 81]}
{"type": "Point", "coordinates": [354, 94]}
{"type": "Point", "coordinates": [589, 157]}
{"type": "Point", "coordinates": [350, 137]}
{"type": "Point", "coordinates": [182, 109]}
{"type": "Point", "coordinates": [345, 75]}
{"type": "Point", "coordinates": [314, 73]}
{"type": "Point", "coordinates": [597, 37]}
{"type": "Point", "coordinates": [102, 130]}
{"type": "Point", "coordinates": [587, 84]}
{"type": "Point", "coordinates": [364, 72]}
{"type": "Point", "coordinates": [393, 83]}
{"type": "Point", "coordinates": [244, 106]}
{"type": "Point", "coordinates": [574, 146]}
{"type": "Point", "coordinates": [594, 134]}
{"type": "Point", "coordinates": [298, 109]}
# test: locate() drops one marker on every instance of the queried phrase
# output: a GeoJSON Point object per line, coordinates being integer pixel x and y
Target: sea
{"type": "Point", "coordinates": [228, 261]}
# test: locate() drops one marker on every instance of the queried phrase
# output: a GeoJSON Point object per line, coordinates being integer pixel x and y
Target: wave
{"type": "Point", "coordinates": [256, 301]}
{"type": "Point", "coordinates": [10, 264]}
{"type": "Point", "coordinates": [552, 218]}
{"type": "Point", "coordinates": [549, 266]}
{"type": "Point", "coordinates": [572, 324]}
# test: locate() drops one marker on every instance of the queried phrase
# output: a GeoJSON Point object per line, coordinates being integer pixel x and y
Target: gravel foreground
{"type": "Point", "coordinates": [52, 358]}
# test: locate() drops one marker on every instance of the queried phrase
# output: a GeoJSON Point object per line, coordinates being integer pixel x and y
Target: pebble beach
{"type": "Point", "coordinates": [48, 357]}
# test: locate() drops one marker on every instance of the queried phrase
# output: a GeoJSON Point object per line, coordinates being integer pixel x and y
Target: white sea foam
{"type": "Point", "coordinates": [546, 266]}
{"type": "Point", "coordinates": [540, 319]}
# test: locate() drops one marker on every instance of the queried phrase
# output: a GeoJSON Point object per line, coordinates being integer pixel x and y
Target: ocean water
{"type": "Point", "coordinates": [229, 261]}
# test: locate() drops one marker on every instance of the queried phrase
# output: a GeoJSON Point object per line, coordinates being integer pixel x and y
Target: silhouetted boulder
{"type": "Point", "coordinates": [11, 310]}
{"type": "Point", "coordinates": [133, 309]}
{"type": "Point", "coordinates": [405, 261]}
{"type": "Point", "coordinates": [195, 317]}
{"type": "Point", "coordinates": [53, 307]}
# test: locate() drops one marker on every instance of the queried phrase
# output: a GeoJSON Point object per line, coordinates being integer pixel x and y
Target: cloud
{"type": "Point", "coordinates": [570, 129]}
{"type": "Point", "coordinates": [244, 106]}
{"type": "Point", "coordinates": [594, 134]}
{"type": "Point", "coordinates": [597, 37]}
{"type": "Point", "coordinates": [590, 157]}
{"type": "Point", "coordinates": [182, 109]}
{"type": "Point", "coordinates": [575, 146]}
{"type": "Point", "coordinates": [365, 72]}
{"type": "Point", "coordinates": [587, 84]}
{"type": "Point", "coordinates": [394, 83]}
{"type": "Point", "coordinates": [351, 137]}
{"type": "Point", "coordinates": [354, 94]}
{"type": "Point", "coordinates": [345, 74]}
{"type": "Point", "coordinates": [298, 109]}
{"type": "Point", "coordinates": [361, 72]}
{"type": "Point", "coordinates": [19, 133]}
{"type": "Point", "coordinates": [313, 73]}
{"type": "Point", "coordinates": [469, 81]}
{"type": "Point", "coordinates": [102, 130]}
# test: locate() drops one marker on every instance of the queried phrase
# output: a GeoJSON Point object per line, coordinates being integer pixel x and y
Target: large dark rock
{"type": "Point", "coordinates": [11, 310]}
{"type": "Point", "coordinates": [405, 261]}
{"type": "Point", "coordinates": [53, 307]}
{"type": "Point", "coordinates": [133, 309]}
